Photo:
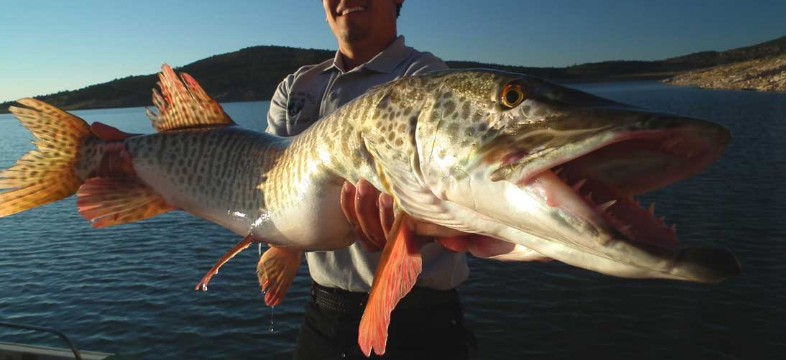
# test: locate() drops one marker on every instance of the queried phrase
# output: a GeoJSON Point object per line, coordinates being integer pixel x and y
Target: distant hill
{"type": "Point", "coordinates": [244, 75]}
{"type": "Point", "coordinates": [707, 59]}
{"type": "Point", "coordinates": [253, 73]}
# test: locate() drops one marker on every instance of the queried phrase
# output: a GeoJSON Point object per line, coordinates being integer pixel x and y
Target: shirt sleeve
{"type": "Point", "coordinates": [277, 113]}
{"type": "Point", "coordinates": [426, 63]}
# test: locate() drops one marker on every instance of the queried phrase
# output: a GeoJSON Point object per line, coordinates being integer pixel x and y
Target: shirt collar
{"type": "Point", "coordinates": [384, 62]}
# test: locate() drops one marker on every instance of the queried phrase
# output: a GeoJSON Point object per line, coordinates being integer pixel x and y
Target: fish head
{"type": "Point", "coordinates": [557, 170]}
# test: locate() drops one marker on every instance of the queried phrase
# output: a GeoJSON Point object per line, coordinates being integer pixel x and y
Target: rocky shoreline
{"type": "Point", "coordinates": [767, 74]}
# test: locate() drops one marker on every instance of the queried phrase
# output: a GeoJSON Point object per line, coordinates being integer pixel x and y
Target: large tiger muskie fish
{"type": "Point", "coordinates": [532, 169]}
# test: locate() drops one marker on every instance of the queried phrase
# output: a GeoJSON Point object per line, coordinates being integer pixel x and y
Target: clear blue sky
{"type": "Point", "coordinates": [48, 46]}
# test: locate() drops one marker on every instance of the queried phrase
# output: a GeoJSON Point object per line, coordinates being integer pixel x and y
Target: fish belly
{"type": "Point", "coordinates": [312, 222]}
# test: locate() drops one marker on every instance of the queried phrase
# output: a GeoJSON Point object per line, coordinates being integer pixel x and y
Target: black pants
{"type": "Point", "coordinates": [434, 331]}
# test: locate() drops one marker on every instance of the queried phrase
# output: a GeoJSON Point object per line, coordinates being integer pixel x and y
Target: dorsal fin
{"type": "Point", "coordinates": [183, 104]}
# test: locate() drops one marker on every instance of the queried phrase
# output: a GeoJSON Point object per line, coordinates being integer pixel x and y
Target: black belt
{"type": "Point", "coordinates": [347, 301]}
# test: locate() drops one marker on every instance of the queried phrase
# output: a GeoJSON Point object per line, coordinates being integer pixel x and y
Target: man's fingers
{"type": "Point", "coordinates": [386, 213]}
{"type": "Point", "coordinates": [369, 212]}
{"type": "Point", "coordinates": [366, 197]}
{"type": "Point", "coordinates": [348, 196]}
{"type": "Point", "coordinates": [348, 206]}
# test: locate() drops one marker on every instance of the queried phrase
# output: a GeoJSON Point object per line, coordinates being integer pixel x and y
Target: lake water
{"type": "Point", "coordinates": [128, 289]}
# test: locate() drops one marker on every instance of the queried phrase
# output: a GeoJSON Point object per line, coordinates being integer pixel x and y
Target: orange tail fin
{"type": "Point", "coordinates": [48, 173]}
{"type": "Point", "coordinates": [396, 274]}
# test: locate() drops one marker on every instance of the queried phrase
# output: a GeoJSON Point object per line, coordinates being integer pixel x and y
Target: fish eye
{"type": "Point", "coordinates": [512, 95]}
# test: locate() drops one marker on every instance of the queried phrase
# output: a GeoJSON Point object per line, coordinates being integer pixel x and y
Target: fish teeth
{"type": "Point", "coordinates": [605, 206]}
{"type": "Point", "coordinates": [579, 184]}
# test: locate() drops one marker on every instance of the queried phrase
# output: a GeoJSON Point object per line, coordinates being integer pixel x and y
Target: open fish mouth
{"type": "Point", "coordinates": [603, 184]}
{"type": "Point", "coordinates": [591, 186]}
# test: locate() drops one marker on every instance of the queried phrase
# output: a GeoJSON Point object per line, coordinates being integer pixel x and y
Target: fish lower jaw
{"type": "Point", "coordinates": [620, 258]}
{"type": "Point", "coordinates": [596, 187]}
{"type": "Point", "coordinates": [620, 214]}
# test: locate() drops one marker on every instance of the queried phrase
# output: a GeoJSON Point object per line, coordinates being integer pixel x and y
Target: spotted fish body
{"type": "Point", "coordinates": [211, 173]}
{"type": "Point", "coordinates": [533, 169]}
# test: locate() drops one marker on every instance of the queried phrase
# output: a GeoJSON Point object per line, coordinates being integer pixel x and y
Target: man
{"type": "Point", "coordinates": [428, 322]}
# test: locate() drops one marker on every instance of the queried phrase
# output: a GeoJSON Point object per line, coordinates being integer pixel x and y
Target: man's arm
{"type": "Point", "coordinates": [277, 113]}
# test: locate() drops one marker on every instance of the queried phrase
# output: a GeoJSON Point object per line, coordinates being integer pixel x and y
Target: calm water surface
{"type": "Point", "coordinates": [128, 289]}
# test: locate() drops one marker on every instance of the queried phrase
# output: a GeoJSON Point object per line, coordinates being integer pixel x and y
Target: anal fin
{"type": "Point", "coordinates": [276, 270]}
{"type": "Point", "coordinates": [107, 201]}
{"type": "Point", "coordinates": [398, 269]}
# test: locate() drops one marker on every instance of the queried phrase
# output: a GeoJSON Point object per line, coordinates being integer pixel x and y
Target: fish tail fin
{"type": "Point", "coordinates": [276, 270]}
{"type": "Point", "coordinates": [398, 269]}
{"type": "Point", "coordinates": [48, 173]}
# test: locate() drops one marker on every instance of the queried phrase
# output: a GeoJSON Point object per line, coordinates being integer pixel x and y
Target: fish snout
{"type": "Point", "coordinates": [707, 265]}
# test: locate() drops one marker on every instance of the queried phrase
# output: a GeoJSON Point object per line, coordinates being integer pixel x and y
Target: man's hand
{"type": "Point", "coordinates": [371, 214]}
{"type": "Point", "coordinates": [369, 211]}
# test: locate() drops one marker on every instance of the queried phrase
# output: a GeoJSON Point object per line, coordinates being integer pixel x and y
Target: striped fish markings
{"type": "Point", "coordinates": [532, 169]}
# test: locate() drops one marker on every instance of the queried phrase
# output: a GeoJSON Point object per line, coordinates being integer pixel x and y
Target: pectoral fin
{"type": "Point", "coordinates": [276, 269]}
{"type": "Point", "coordinates": [396, 274]}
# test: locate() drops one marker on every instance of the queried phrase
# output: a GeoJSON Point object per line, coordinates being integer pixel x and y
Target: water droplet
{"type": "Point", "coordinates": [272, 329]}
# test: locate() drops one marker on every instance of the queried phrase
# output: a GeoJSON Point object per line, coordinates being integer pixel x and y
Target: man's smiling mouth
{"type": "Point", "coordinates": [352, 10]}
